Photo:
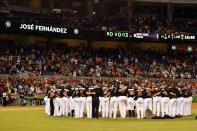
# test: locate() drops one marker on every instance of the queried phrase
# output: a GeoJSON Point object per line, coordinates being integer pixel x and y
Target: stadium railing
{"type": "Point", "coordinates": [30, 75]}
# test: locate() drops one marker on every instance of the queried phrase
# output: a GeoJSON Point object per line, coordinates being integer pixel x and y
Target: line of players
{"type": "Point", "coordinates": [162, 101]}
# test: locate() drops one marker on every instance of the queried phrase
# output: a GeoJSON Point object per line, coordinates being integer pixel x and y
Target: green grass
{"type": "Point", "coordinates": [35, 120]}
{"type": "Point", "coordinates": [194, 99]}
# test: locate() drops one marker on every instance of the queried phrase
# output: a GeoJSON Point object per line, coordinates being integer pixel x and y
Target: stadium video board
{"type": "Point", "coordinates": [10, 27]}
{"type": "Point", "coordinates": [150, 36]}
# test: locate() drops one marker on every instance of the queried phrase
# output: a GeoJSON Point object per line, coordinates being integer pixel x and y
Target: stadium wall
{"type": "Point", "coordinates": [133, 46]}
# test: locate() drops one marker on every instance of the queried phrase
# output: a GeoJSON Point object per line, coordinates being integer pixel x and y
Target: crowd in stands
{"type": "Point", "coordinates": [19, 88]}
{"type": "Point", "coordinates": [80, 61]}
{"type": "Point", "coordinates": [88, 62]}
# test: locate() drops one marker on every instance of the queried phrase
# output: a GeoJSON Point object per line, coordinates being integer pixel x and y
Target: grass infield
{"type": "Point", "coordinates": [33, 119]}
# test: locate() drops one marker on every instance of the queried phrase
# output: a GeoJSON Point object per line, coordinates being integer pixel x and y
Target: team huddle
{"type": "Point", "coordinates": [119, 98]}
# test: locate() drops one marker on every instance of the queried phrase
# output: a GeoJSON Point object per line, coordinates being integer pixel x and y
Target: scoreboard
{"type": "Point", "coordinates": [11, 27]}
{"type": "Point", "coordinates": [126, 35]}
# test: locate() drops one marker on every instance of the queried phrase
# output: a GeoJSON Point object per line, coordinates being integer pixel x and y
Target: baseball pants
{"type": "Point", "coordinates": [113, 107]}
{"type": "Point", "coordinates": [47, 106]}
{"type": "Point", "coordinates": [65, 106]}
{"type": "Point", "coordinates": [56, 107]}
{"type": "Point", "coordinates": [164, 106]}
{"type": "Point", "coordinates": [76, 107]}
{"type": "Point", "coordinates": [105, 107]}
{"type": "Point", "coordinates": [172, 107]}
{"type": "Point", "coordinates": [148, 104]}
{"type": "Point", "coordinates": [140, 108]}
{"type": "Point", "coordinates": [89, 107]}
{"type": "Point", "coordinates": [157, 105]}
{"type": "Point", "coordinates": [82, 102]}
{"type": "Point", "coordinates": [122, 102]}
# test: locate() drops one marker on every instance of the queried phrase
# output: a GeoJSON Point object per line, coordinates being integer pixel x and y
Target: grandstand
{"type": "Point", "coordinates": [36, 55]}
{"type": "Point", "coordinates": [47, 47]}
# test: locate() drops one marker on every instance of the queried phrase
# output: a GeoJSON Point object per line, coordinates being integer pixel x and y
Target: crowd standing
{"type": "Point", "coordinates": [81, 61]}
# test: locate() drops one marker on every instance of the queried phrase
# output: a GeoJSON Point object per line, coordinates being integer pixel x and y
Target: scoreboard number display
{"type": "Point", "coordinates": [117, 34]}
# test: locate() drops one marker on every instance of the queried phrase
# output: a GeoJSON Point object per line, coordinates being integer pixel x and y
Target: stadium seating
{"type": "Point", "coordinates": [97, 62]}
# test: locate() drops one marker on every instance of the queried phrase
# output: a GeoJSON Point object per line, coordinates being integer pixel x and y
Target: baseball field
{"type": "Point", "coordinates": [33, 119]}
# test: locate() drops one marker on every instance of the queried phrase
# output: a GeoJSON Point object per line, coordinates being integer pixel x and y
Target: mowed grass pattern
{"type": "Point", "coordinates": [35, 120]}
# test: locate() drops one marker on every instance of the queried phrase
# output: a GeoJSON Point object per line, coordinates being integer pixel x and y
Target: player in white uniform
{"type": "Point", "coordinates": [172, 102]}
{"type": "Point", "coordinates": [89, 93]}
{"type": "Point", "coordinates": [122, 98]}
{"type": "Point", "coordinates": [71, 102]}
{"type": "Point", "coordinates": [76, 102]}
{"type": "Point", "coordinates": [105, 102]}
{"type": "Point", "coordinates": [113, 106]}
{"type": "Point", "coordinates": [131, 101]}
{"type": "Point", "coordinates": [164, 101]}
{"type": "Point", "coordinates": [47, 104]}
{"type": "Point", "coordinates": [100, 103]}
{"type": "Point", "coordinates": [188, 101]}
{"type": "Point", "coordinates": [148, 101]}
{"type": "Point", "coordinates": [179, 108]}
{"type": "Point", "coordinates": [82, 101]}
{"type": "Point", "coordinates": [61, 103]}
{"type": "Point", "coordinates": [140, 103]}
{"type": "Point", "coordinates": [66, 109]}
{"type": "Point", "coordinates": [56, 104]}
{"type": "Point", "coordinates": [157, 102]}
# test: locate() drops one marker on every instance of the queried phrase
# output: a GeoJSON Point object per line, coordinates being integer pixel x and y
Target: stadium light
{"type": "Point", "coordinates": [189, 48]}
{"type": "Point", "coordinates": [173, 47]}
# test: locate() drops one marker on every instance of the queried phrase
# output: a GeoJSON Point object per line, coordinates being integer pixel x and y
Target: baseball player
{"type": "Point", "coordinates": [190, 100]}
{"type": "Point", "coordinates": [131, 101]}
{"type": "Point", "coordinates": [156, 102]}
{"type": "Point", "coordinates": [61, 103]}
{"type": "Point", "coordinates": [72, 102]}
{"type": "Point", "coordinates": [105, 102]}
{"type": "Point", "coordinates": [148, 100]}
{"type": "Point", "coordinates": [100, 102]}
{"type": "Point", "coordinates": [184, 100]}
{"type": "Point", "coordinates": [82, 101]}
{"type": "Point", "coordinates": [140, 103]}
{"type": "Point", "coordinates": [47, 104]}
{"type": "Point", "coordinates": [179, 101]}
{"type": "Point", "coordinates": [172, 102]}
{"type": "Point", "coordinates": [89, 93]}
{"type": "Point", "coordinates": [164, 101]}
{"type": "Point", "coordinates": [66, 102]}
{"type": "Point", "coordinates": [122, 99]}
{"type": "Point", "coordinates": [76, 102]}
{"type": "Point", "coordinates": [56, 104]}
{"type": "Point", "coordinates": [113, 102]}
